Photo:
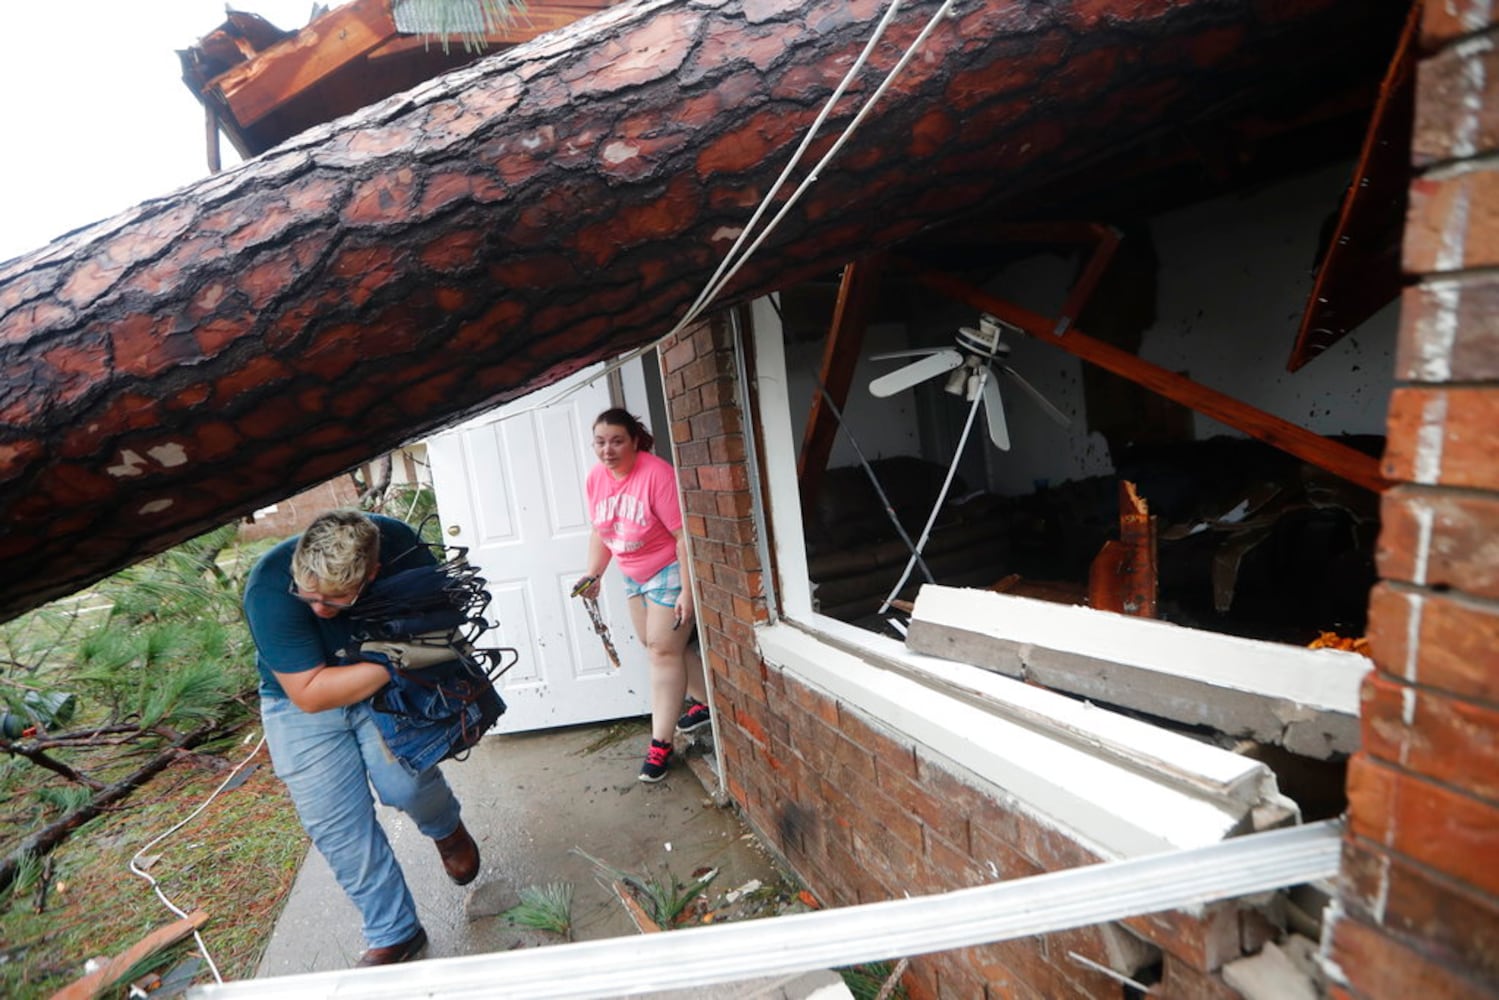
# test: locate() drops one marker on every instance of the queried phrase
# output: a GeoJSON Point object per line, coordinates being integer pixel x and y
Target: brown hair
{"type": "Point", "coordinates": [619, 417]}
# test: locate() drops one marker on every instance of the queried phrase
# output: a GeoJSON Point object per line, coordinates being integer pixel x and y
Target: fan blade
{"type": "Point", "coordinates": [919, 371]}
{"type": "Point", "coordinates": [994, 413]}
{"type": "Point", "coordinates": [1046, 404]}
{"type": "Point", "coordinates": [915, 352]}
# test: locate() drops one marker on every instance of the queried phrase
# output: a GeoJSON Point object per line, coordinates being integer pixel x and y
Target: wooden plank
{"type": "Point", "coordinates": [96, 982]}
{"type": "Point", "coordinates": [211, 137]}
{"type": "Point", "coordinates": [1106, 242]}
{"type": "Point", "coordinates": [255, 88]}
{"type": "Point", "coordinates": [1360, 272]}
{"type": "Point", "coordinates": [1339, 459]}
{"type": "Point", "coordinates": [839, 356]}
{"type": "Point", "coordinates": [637, 913]}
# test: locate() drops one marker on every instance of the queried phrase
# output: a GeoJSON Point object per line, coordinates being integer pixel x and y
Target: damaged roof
{"type": "Point", "coordinates": [264, 84]}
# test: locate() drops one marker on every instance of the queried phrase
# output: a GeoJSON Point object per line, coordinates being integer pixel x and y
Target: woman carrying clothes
{"type": "Point", "coordinates": [637, 522]}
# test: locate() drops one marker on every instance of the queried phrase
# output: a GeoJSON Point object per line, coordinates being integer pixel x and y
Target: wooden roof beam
{"type": "Point", "coordinates": [1339, 459]}
{"type": "Point", "coordinates": [839, 357]}
{"type": "Point", "coordinates": [255, 88]}
{"type": "Point", "coordinates": [1360, 272]}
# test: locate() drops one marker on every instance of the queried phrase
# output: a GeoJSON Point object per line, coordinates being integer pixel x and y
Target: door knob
{"type": "Point", "coordinates": [453, 529]}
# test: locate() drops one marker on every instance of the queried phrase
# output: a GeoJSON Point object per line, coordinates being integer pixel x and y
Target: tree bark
{"type": "Point", "coordinates": [375, 279]}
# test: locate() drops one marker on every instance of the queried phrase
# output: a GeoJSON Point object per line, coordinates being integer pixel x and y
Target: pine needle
{"type": "Point", "coordinates": [545, 908]}
{"type": "Point", "coordinates": [664, 899]}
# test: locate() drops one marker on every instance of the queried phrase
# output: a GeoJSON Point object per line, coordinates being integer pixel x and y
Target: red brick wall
{"type": "Point", "coordinates": [1420, 882]}
{"type": "Point", "coordinates": [857, 811]}
{"type": "Point", "coordinates": [296, 512]}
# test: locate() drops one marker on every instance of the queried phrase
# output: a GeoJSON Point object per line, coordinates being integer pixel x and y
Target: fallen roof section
{"type": "Point", "coordinates": [264, 85]}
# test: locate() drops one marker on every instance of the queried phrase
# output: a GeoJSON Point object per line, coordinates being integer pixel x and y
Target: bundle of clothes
{"type": "Point", "coordinates": [421, 625]}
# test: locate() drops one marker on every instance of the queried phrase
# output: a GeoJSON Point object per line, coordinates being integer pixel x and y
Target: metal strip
{"type": "Point", "coordinates": [803, 942]}
{"type": "Point", "coordinates": [748, 421]}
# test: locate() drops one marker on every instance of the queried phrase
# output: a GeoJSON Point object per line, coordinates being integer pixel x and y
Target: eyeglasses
{"type": "Point", "coordinates": [335, 605]}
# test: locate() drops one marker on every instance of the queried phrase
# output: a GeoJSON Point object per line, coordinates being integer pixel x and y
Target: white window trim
{"type": "Point", "coordinates": [990, 724]}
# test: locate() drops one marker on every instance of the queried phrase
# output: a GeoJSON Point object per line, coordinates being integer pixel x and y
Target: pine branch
{"type": "Point", "coordinates": [46, 839]}
{"type": "Point", "coordinates": [82, 737]}
{"type": "Point", "coordinates": [42, 760]}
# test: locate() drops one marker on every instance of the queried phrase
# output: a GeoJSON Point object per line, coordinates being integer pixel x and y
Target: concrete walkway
{"type": "Point", "coordinates": [532, 801]}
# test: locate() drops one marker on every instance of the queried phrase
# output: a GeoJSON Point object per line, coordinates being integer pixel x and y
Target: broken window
{"type": "Point", "coordinates": [1214, 552]}
{"type": "Point", "coordinates": [1017, 466]}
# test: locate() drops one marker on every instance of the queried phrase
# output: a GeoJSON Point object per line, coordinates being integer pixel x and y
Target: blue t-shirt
{"type": "Point", "coordinates": [289, 638]}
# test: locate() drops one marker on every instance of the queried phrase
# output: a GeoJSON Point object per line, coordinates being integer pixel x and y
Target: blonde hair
{"type": "Point", "coordinates": [336, 553]}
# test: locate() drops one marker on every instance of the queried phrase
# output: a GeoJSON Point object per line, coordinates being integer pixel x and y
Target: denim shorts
{"type": "Point", "coordinates": [664, 588]}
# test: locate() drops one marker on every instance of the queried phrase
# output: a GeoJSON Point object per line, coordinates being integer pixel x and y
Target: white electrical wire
{"type": "Point", "coordinates": [197, 937]}
{"type": "Point", "coordinates": [712, 291]}
{"type": "Point", "coordinates": [721, 276]}
{"type": "Point", "coordinates": [712, 287]}
{"type": "Point", "coordinates": [978, 397]}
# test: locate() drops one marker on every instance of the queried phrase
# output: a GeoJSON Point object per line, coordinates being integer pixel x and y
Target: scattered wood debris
{"type": "Point", "coordinates": [101, 979]}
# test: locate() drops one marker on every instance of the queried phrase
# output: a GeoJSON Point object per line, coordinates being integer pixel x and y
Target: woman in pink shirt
{"type": "Point", "coordinates": [637, 522]}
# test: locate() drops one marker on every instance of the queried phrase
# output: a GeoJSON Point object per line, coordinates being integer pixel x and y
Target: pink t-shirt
{"type": "Point", "coordinates": [637, 517]}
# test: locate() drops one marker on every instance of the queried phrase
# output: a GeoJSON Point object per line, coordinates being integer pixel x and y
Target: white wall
{"type": "Point", "coordinates": [884, 427]}
{"type": "Point", "coordinates": [1234, 279]}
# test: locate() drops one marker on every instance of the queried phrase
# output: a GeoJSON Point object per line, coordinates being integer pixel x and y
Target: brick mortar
{"type": "Point", "coordinates": [1452, 254]}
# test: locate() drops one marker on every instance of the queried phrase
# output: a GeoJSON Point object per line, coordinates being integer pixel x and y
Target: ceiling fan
{"type": "Point", "coordinates": [970, 369]}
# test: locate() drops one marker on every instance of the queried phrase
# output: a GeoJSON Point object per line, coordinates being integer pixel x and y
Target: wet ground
{"type": "Point", "coordinates": [537, 804]}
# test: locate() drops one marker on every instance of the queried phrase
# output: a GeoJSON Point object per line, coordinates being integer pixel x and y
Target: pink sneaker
{"type": "Point", "coordinates": [657, 760]}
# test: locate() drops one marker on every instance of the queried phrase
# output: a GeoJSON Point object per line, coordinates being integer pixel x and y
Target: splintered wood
{"type": "Point", "coordinates": [1122, 577]}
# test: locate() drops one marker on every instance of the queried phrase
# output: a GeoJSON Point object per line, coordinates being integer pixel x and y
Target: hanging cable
{"type": "Point", "coordinates": [875, 482]}
{"type": "Point", "coordinates": [711, 288]}
{"type": "Point", "coordinates": [197, 937]}
{"type": "Point", "coordinates": [926, 533]}
{"type": "Point", "coordinates": [717, 284]}
{"type": "Point", "coordinates": [721, 277]}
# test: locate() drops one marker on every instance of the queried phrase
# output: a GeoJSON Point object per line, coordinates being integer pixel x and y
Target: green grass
{"type": "Point", "coordinates": [664, 898]}
{"type": "Point", "coordinates": [236, 861]}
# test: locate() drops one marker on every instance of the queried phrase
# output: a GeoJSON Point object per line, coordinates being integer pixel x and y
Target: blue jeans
{"type": "Point", "coordinates": [328, 761]}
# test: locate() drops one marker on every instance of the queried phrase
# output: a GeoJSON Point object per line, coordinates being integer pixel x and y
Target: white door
{"type": "Point", "coordinates": [510, 489]}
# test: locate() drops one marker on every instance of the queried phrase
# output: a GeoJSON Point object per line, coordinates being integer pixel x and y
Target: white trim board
{"type": "Point", "coordinates": [1326, 679]}
{"type": "Point", "coordinates": [1192, 764]}
{"type": "Point", "coordinates": [1302, 699]}
{"type": "Point", "coordinates": [803, 942]}
{"type": "Point", "coordinates": [1119, 787]}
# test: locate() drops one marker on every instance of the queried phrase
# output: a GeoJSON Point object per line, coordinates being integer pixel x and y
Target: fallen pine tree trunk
{"type": "Point", "coordinates": [372, 280]}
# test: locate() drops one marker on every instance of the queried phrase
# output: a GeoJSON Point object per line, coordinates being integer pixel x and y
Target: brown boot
{"type": "Point", "coordinates": [391, 954]}
{"type": "Point", "coordinates": [460, 855]}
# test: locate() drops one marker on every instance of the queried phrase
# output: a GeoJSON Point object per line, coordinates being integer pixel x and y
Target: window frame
{"type": "Point", "coordinates": [917, 695]}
